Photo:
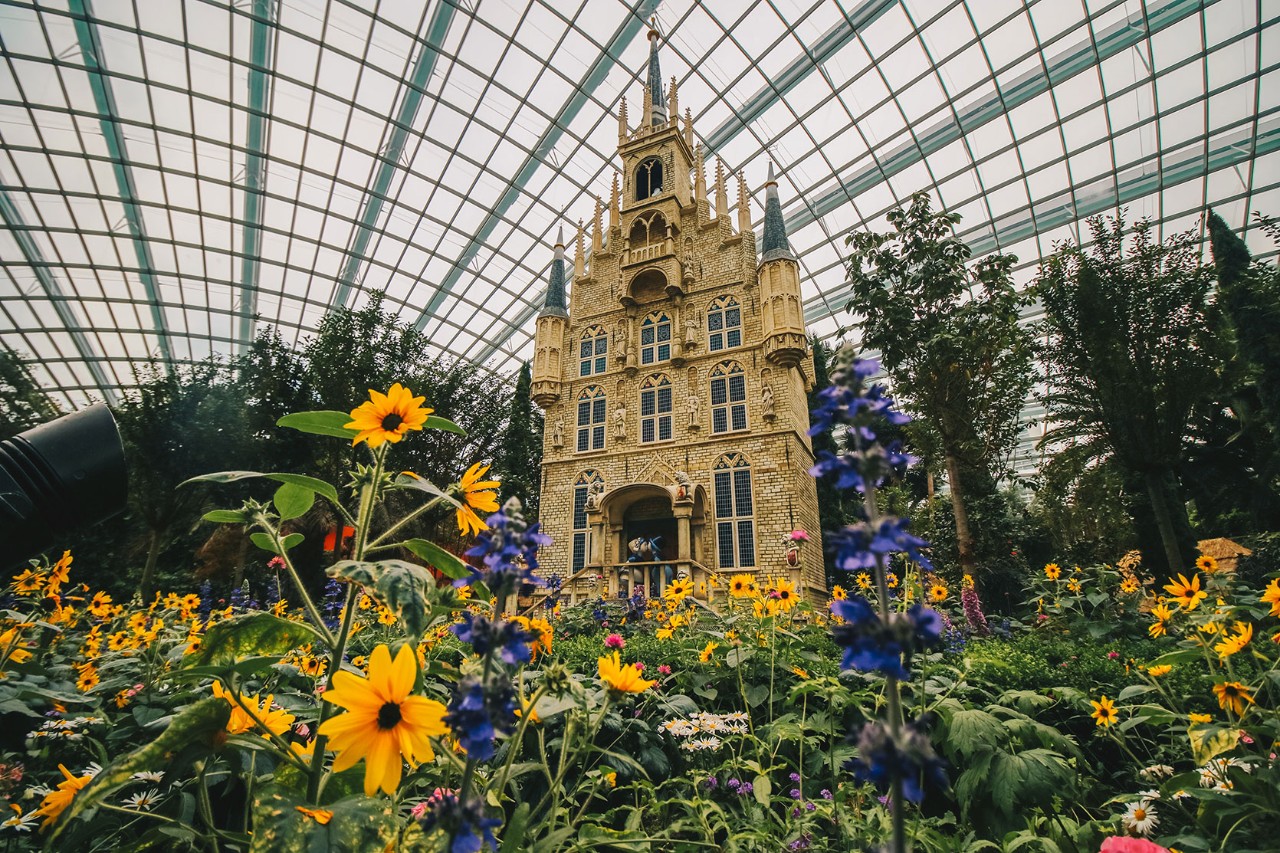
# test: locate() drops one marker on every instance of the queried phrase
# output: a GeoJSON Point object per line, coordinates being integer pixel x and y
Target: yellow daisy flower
{"type": "Point", "coordinates": [785, 594]}
{"type": "Point", "coordinates": [383, 724]}
{"type": "Point", "coordinates": [678, 590]}
{"type": "Point", "coordinates": [475, 494]}
{"type": "Point", "coordinates": [1053, 571]}
{"type": "Point", "coordinates": [1271, 595]}
{"type": "Point", "coordinates": [1233, 695]}
{"type": "Point", "coordinates": [56, 802]}
{"type": "Point", "coordinates": [863, 580]}
{"type": "Point", "coordinates": [387, 417]}
{"type": "Point", "coordinates": [1205, 563]}
{"type": "Point", "coordinates": [741, 585]}
{"type": "Point", "coordinates": [320, 816]}
{"type": "Point", "coordinates": [275, 720]}
{"type": "Point", "coordinates": [708, 652]}
{"type": "Point", "coordinates": [624, 679]}
{"type": "Point", "coordinates": [1186, 592]}
{"type": "Point", "coordinates": [1104, 711]}
{"type": "Point", "coordinates": [838, 593]}
{"type": "Point", "coordinates": [1230, 644]}
{"type": "Point", "coordinates": [937, 593]}
{"type": "Point", "coordinates": [1159, 670]}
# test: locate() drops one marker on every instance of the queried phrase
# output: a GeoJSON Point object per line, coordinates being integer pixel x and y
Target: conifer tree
{"type": "Point", "coordinates": [520, 455]}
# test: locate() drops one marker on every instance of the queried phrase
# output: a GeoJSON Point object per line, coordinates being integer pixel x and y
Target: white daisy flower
{"type": "Point", "coordinates": [1148, 797]}
{"type": "Point", "coordinates": [1140, 818]}
{"type": "Point", "coordinates": [21, 822]}
{"type": "Point", "coordinates": [143, 800]}
{"type": "Point", "coordinates": [93, 768]}
{"type": "Point", "coordinates": [153, 776]}
{"type": "Point", "coordinates": [1156, 772]}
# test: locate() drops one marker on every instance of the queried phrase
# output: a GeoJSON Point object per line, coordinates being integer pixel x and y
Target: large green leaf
{"type": "Point", "coordinates": [292, 500]}
{"type": "Point", "coordinates": [226, 516]}
{"type": "Point", "coordinates": [253, 634]}
{"type": "Point", "coordinates": [319, 487]}
{"type": "Point", "coordinates": [198, 722]}
{"type": "Point", "coordinates": [359, 823]}
{"type": "Point", "coordinates": [449, 565]}
{"type": "Point", "coordinates": [399, 586]}
{"type": "Point", "coordinates": [320, 423]}
{"type": "Point", "coordinates": [445, 424]}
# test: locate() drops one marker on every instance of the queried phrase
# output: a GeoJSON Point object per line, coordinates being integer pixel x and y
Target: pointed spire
{"type": "Point", "coordinates": [688, 127]}
{"type": "Point", "coordinates": [646, 109]}
{"type": "Point", "coordinates": [722, 195]}
{"type": "Point", "coordinates": [615, 213]}
{"type": "Point", "coordinates": [580, 254]}
{"type": "Point", "coordinates": [673, 101]}
{"type": "Point", "coordinates": [555, 305]}
{"type": "Point", "coordinates": [744, 207]}
{"type": "Point", "coordinates": [654, 81]}
{"type": "Point", "coordinates": [699, 176]}
{"type": "Point", "coordinates": [775, 244]}
{"type": "Point", "coordinates": [597, 234]}
{"type": "Point", "coordinates": [623, 130]}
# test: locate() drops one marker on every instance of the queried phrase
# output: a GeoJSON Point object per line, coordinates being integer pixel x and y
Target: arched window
{"type": "Point", "coordinates": [735, 523]}
{"type": "Point", "coordinates": [647, 230]}
{"type": "Point", "coordinates": [593, 350]}
{"type": "Point", "coordinates": [648, 178]}
{"type": "Point", "coordinates": [591, 414]}
{"type": "Point", "coordinates": [728, 397]}
{"type": "Point", "coordinates": [582, 488]}
{"type": "Point", "coordinates": [655, 408]}
{"type": "Point", "coordinates": [724, 324]}
{"type": "Point", "coordinates": [655, 338]}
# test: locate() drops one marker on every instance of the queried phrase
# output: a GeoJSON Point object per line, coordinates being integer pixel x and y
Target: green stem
{"type": "Point", "coordinates": [390, 531]}
{"type": "Point", "coordinates": [310, 606]}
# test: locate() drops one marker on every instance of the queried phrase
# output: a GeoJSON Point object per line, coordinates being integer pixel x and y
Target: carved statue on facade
{"type": "Point", "coordinates": [684, 486]}
{"type": "Point", "coordinates": [620, 422]}
{"type": "Point", "coordinates": [693, 403]}
{"type": "Point", "coordinates": [595, 494]}
{"type": "Point", "coordinates": [692, 323]}
{"type": "Point", "coordinates": [766, 402]}
{"type": "Point", "coordinates": [557, 433]}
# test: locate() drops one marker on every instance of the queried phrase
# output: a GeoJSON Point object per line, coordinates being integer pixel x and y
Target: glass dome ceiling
{"type": "Point", "coordinates": [176, 176]}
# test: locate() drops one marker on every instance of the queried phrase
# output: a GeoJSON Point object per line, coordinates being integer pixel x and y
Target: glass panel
{"type": "Point", "coordinates": [719, 420]}
{"type": "Point", "coordinates": [715, 321]}
{"type": "Point", "coordinates": [646, 430]}
{"type": "Point", "coordinates": [718, 395]}
{"type": "Point", "coordinates": [664, 352]}
{"type": "Point", "coordinates": [646, 335]}
{"type": "Point", "coordinates": [733, 317]}
{"type": "Point", "coordinates": [742, 492]}
{"type": "Point", "coordinates": [664, 332]}
{"type": "Point", "coordinates": [664, 428]}
{"type": "Point", "coordinates": [580, 508]}
{"type": "Point", "coordinates": [737, 387]}
{"type": "Point", "coordinates": [584, 413]}
{"type": "Point", "coordinates": [717, 342]}
{"type": "Point", "coordinates": [724, 496]}
{"type": "Point", "coordinates": [735, 337]}
{"type": "Point", "coordinates": [646, 403]}
{"type": "Point", "coordinates": [597, 410]}
{"type": "Point", "coordinates": [583, 439]}
{"type": "Point", "coordinates": [646, 355]}
{"type": "Point", "coordinates": [579, 551]}
{"type": "Point", "coordinates": [600, 365]}
{"type": "Point", "coordinates": [739, 417]}
{"type": "Point", "coordinates": [664, 399]}
{"type": "Point", "coordinates": [584, 369]}
{"type": "Point", "coordinates": [746, 544]}
{"type": "Point", "coordinates": [585, 350]}
{"type": "Point", "coordinates": [602, 345]}
{"type": "Point", "coordinates": [597, 438]}
{"type": "Point", "coordinates": [724, 543]}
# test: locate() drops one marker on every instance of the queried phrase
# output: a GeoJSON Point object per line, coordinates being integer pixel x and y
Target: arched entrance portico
{"type": "Point", "coordinates": [666, 524]}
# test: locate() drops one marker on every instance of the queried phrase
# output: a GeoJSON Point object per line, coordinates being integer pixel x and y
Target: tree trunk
{"type": "Point", "coordinates": [964, 539]}
{"type": "Point", "coordinates": [1164, 521]}
{"type": "Point", "coordinates": [145, 586]}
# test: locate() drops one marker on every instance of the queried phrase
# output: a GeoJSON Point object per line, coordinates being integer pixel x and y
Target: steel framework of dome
{"type": "Point", "coordinates": [177, 176]}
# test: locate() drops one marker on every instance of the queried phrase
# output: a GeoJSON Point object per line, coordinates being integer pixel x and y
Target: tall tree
{"type": "Point", "coordinates": [1129, 354]}
{"type": "Point", "coordinates": [520, 456]}
{"type": "Point", "coordinates": [949, 336]}
{"type": "Point", "coordinates": [22, 402]}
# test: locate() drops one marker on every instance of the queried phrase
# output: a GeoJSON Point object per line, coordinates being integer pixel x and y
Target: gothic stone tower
{"type": "Point", "coordinates": [674, 380]}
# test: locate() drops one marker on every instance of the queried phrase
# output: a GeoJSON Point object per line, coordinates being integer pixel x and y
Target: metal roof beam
{"type": "Point", "coordinates": [371, 207]}
{"type": "Point", "coordinates": [1132, 184]}
{"type": "Point", "coordinates": [261, 73]}
{"type": "Point", "coordinates": [113, 134]}
{"type": "Point", "coordinates": [830, 43]}
{"type": "Point", "coordinates": [582, 94]}
{"type": "Point", "coordinates": [1067, 64]}
{"type": "Point", "coordinates": [53, 291]}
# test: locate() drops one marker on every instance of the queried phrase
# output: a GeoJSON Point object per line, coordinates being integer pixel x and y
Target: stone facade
{"type": "Point", "coordinates": [682, 402]}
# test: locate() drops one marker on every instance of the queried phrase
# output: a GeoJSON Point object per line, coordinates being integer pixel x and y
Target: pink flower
{"type": "Point", "coordinates": [663, 669]}
{"type": "Point", "coordinates": [639, 665]}
{"type": "Point", "coordinates": [799, 536]}
{"type": "Point", "coordinates": [418, 810]}
{"type": "Point", "coordinates": [614, 641]}
{"type": "Point", "coordinates": [1112, 655]}
{"type": "Point", "coordinates": [1124, 844]}
{"type": "Point", "coordinates": [275, 563]}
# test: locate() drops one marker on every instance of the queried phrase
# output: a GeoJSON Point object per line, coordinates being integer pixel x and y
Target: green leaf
{"type": "Point", "coordinates": [198, 722]}
{"type": "Point", "coordinates": [358, 823]}
{"type": "Point", "coordinates": [738, 655]}
{"type": "Point", "coordinates": [445, 424]}
{"type": "Point", "coordinates": [513, 835]}
{"type": "Point", "coordinates": [253, 634]}
{"type": "Point", "coordinates": [292, 500]}
{"type": "Point", "coordinates": [320, 487]}
{"type": "Point", "coordinates": [448, 564]}
{"type": "Point", "coordinates": [320, 423]}
{"type": "Point", "coordinates": [264, 542]}
{"type": "Point", "coordinates": [757, 694]}
{"type": "Point", "coordinates": [399, 586]}
{"type": "Point", "coordinates": [761, 788]}
{"type": "Point", "coordinates": [225, 516]}
{"type": "Point", "coordinates": [1134, 690]}
{"type": "Point", "coordinates": [292, 540]}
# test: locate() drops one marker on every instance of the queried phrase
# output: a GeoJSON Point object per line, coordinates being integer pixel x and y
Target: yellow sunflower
{"type": "Point", "coordinates": [56, 802]}
{"type": "Point", "coordinates": [1073, 585]}
{"type": "Point", "coordinates": [678, 590]}
{"type": "Point", "coordinates": [623, 679]}
{"type": "Point", "coordinates": [11, 645]}
{"type": "Point", "coordinates": [1233, 695]}
{"type": "Point", "coordinates": [1159, 670]}
{"type": "Point", "coordinates": [387, 417]}
{"type": "Point", "coordinates": [1104, 711]}
{"type": "Point", "coordinates": [741, 585]}
{"type": "Point", "coordinates": [383, 723]}
{"type": "Point", "coordinates": [1053, 571]}
{"type": "Point", "coordinates": [785, 594]}
{"type": "Point", "coordinates": [708, 652]}
{"type": "Point", "coordinates": [28, 582]}
{"type": "Point", "coordinates": [1205, 563]}
{"type": "Point", "coordinates": [1230, 644]}
{"type": "Point", "coordinates": [475, 494]}
{"type": "Point", "coordinates": [838, 593]}
{"type": "Point", "coordinates": [276, 720]}
{"type": "Point", "coordinates": [1271, 595]}
{"type": "Point", "coordinates": [1130, 585]}
{"type": "Point", "coordinates": [1187, 593]}
{"type": "Point", "coordinates": [937, 593]}
{"type": "Point", "coordinates": [863, 580]}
